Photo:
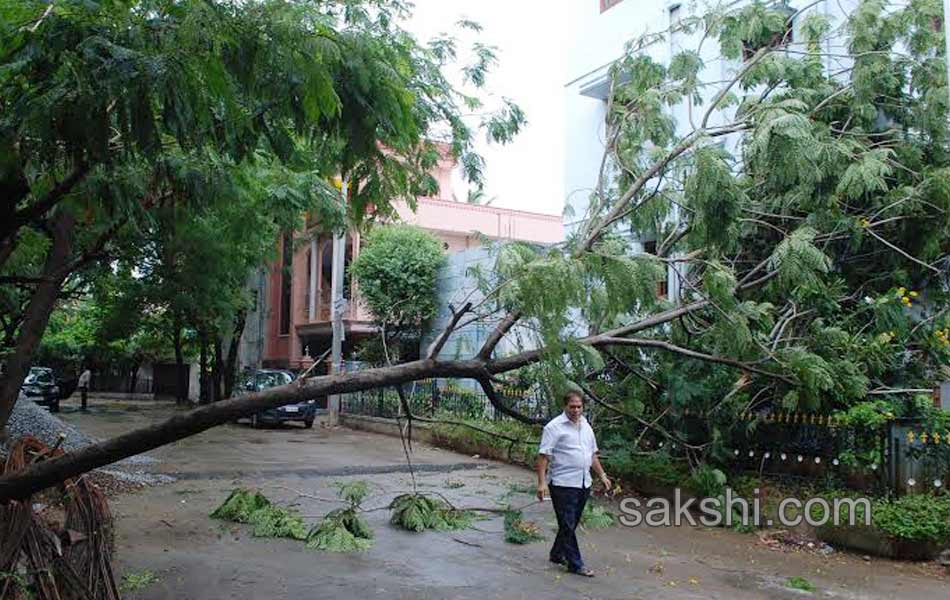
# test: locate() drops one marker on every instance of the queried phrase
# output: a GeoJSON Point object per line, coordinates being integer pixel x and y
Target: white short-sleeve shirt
{"type": "Point", "coordinates": [571, 448]}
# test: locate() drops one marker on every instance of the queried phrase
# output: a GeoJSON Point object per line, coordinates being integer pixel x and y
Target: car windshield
{"type": "Point", "coordinates": [39, 376]}
{"type": "Point", "coordinates": [269, 380]}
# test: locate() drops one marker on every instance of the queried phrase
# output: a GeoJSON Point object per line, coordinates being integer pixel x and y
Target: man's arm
{"type": "Point", "coordinates": [542, 468]}
{"type": "Point", "coordinates": [599, 469]}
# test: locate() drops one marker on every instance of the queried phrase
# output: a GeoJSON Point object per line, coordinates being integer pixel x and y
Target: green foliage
{"type": "Point", "coordinates": [276, 521]}
{"type": "Point", "coordinates": [624, 464]}
{"type": "Point", "coordinates": [468, 439]}
{"type": "Point", "coordinates": [397, 272]}
{"type": "Point", "coordinates": [707, 482]}
{"type": "Point", "coordinates": [269, 520]}
{"type": "Point", "coordinates": [596, 517]}
{"type": "Point", "coordinates": [240, 505]}
{"type": "Point", "coordinates": [519, 531]}
{"type": "Point", "coordinates": [916, 517]}
{"type": "Point", "coordinates": [136, 581]}
{"type": "Point", "coordinates": [353, 492]}
{"type": "Point", "coordinates": [418, 512]}
{"type": "Point", "coordinates": [182, 156]}
{"type": "Point", "coordinates": [342, 530]}
{"type": "Point", "coordinates": [797, 582]}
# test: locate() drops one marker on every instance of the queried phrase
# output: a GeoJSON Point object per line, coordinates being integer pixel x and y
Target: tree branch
{"type": "Point", "coordinates": [650, 343]}
{"type": "Point", "coordinates": [498, 333]}
{"type": "Point", "coordinates": [439, 343]}
{"type": "Point", "coordinates": [500, 406]}
{"type": "Point", "coordinates": [41, 207]}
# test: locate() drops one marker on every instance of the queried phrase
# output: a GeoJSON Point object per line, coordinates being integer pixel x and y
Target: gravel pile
{"type": "Point", "coordinates": [28, 418]}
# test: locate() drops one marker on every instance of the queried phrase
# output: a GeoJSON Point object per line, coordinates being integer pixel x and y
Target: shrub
{"type": "Point", "coordinates": [916, 517]}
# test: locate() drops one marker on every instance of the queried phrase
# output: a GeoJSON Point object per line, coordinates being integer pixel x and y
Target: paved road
{"type": "Point", "coordinates": [166, 530]}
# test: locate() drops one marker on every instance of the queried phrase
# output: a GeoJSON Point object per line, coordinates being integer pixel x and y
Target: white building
{"type": "Point", "coordinates": [601, 28]}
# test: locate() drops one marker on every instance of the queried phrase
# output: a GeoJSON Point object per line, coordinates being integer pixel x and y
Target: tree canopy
{"type": "Point", "coordinates": [164, 127]}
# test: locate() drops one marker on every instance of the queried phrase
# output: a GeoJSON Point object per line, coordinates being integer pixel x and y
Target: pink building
{"type": "Point", "coordinates": [297, 319]}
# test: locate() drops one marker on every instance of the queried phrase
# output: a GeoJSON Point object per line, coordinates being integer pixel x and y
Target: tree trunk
{"type": "Point", "coordinates": [217, 366]}
{"type": "Point", "coordinates": [37, 315]}
{"type": "Point", "coordinates": [230, 370]}
{"type": "Point", "coordinates": [181, 377]}
{"type": "Point", "coordinates": [50, 472]}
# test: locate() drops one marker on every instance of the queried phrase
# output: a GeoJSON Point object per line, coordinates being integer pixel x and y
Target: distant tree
{"type": "Point", "coordinates": [397, 272]}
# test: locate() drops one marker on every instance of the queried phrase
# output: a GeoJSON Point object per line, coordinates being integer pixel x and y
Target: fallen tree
{"type": "Point", "coordinates": [806, 223]}
{"type": "Point", "coordinates": [482, 368]}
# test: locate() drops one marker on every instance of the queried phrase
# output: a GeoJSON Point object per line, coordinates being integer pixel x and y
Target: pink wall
{"type": "Point", "coordinates": [450, 219]}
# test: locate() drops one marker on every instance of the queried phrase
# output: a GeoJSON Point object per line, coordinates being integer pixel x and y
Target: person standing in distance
{"type": "Point", "coordinates": [84, 380]}
{"type": "Point", "coordinates": [568, 451]}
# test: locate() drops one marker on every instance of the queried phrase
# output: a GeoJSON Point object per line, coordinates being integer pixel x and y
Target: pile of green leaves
{"type": "Point", "coordinates": [344, 530]}
{"type": "Point", "coordinates": [277, 521]}
{"type": "Point", "coordinates": [596, 517]}
{"type": "Point", "coordinates": [520, 531]}
{"type": "Point", "coordinates": [240, 505]}
{"type": "Point", "coordinates": [418, 512]}
{"type": "Point", "coordinates": [268, 519]}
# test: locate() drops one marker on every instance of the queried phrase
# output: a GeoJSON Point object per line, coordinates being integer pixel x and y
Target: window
{"type": "Point", "coordinates": [650, 247]}
{"type": "Point", "coordinates": [605, 4]}
{"type": "Point", "coordinates": [286, 274]}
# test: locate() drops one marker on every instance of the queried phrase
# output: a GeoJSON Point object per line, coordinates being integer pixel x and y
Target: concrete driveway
{"type": "Point", "coordinates": [166, 530]}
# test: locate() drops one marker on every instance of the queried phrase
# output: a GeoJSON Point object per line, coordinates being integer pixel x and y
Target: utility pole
{"type": "Point", "coordinates": [337, 306]}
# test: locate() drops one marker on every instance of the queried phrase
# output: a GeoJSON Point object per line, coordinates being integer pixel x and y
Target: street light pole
{"type": "Point", "coordinates": [336, 317]}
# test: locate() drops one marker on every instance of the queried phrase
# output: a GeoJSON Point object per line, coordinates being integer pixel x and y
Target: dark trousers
{"type": "Point", "coordinates": [82, 395]}
{"type": "Point", "coordinates": [569, 505]}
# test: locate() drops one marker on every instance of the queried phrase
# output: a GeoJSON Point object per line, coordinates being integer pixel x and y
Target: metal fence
{"type": "Point", "coordinates": [121, 384]}
{"type": "Point", "coordinates": [432, 396]}
{"type": "Point", "coordinates": [902, 456]}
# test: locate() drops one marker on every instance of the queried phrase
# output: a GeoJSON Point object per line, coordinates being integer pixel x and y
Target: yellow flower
{"type": "Point", "coordinates": [901, 291]}
{"type": "Point", "coordinates": [865, 223]}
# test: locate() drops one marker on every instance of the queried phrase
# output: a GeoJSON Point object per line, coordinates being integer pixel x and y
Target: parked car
{"type": "Point", "coordinates": [305, 412]}
{"type": "Point", "coordinates": [41, 387]}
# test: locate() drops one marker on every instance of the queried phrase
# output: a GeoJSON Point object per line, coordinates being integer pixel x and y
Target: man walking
{"type": "Point", "coordinates": [568, 451]}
